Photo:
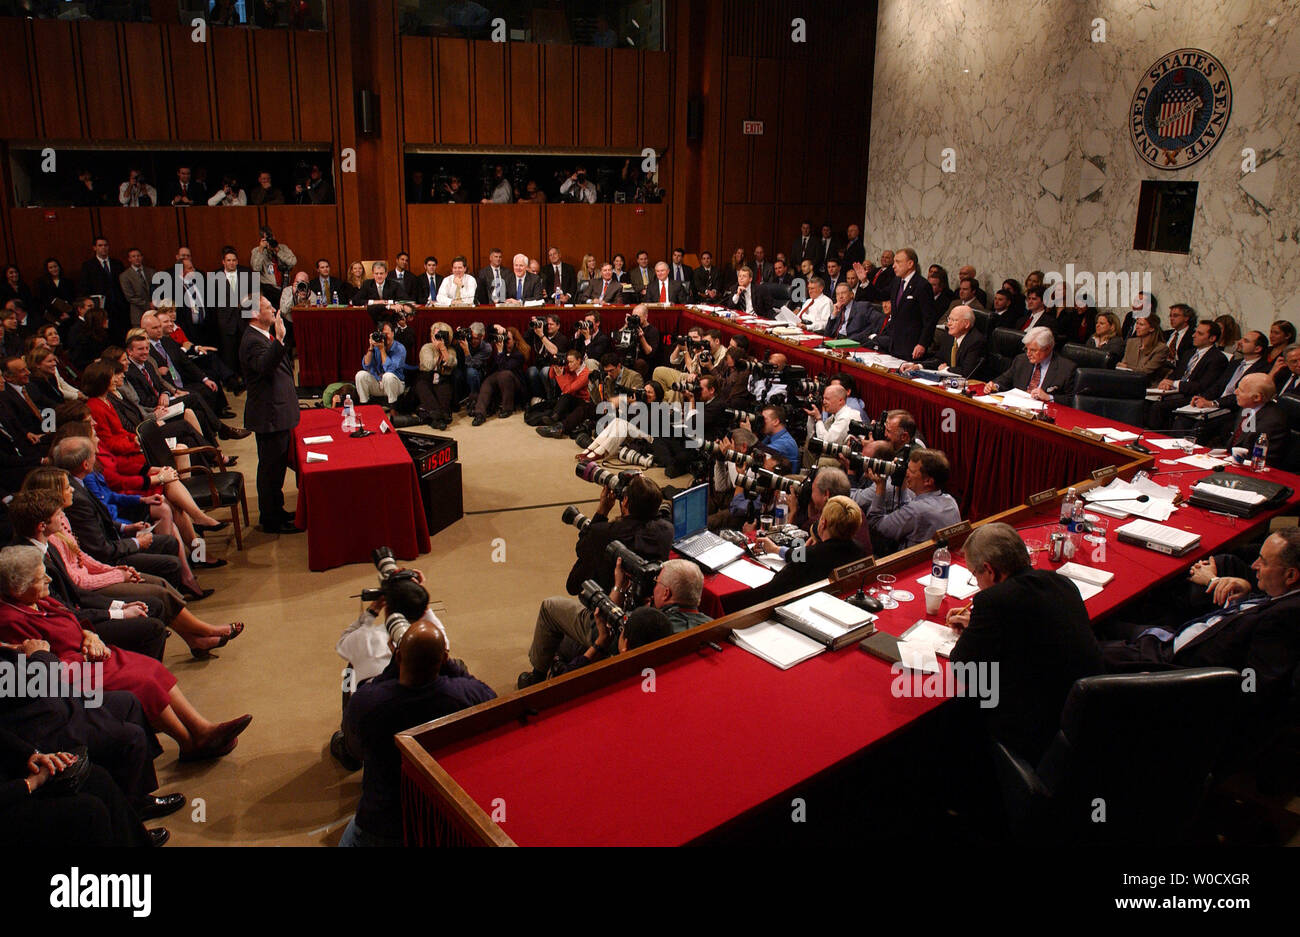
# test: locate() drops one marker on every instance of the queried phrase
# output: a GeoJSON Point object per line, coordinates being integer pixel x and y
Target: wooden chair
{"type": "Point", "coordinates": [211, 489]}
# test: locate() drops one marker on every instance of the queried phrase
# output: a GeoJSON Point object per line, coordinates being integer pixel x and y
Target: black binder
{"type": "Point", "coordinates": [1273, 493]}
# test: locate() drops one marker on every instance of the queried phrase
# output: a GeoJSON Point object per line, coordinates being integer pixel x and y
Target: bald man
{"type": "Point", "coordinates": [421, 684]}
{"type": "Point", "coordinates": [832, 424]}
{"type": "Point", "coordinates": [522, 286]}
{"type": "Point", "coordinates": [1259, 413]}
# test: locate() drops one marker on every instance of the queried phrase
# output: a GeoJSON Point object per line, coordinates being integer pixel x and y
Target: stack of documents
{"type": "Point", "coordinates": [870, 358]}
{"type": "Point", "coordinates": [804, 628]}
{"type": "Point", "coordinates": [1158, 537]}
{"type": "Point", "coordinates": [1013, 398]}
{"type": "Point", "coordinates": [1158, 507]}
{"type": "Point", "coordinates": [1110, 434]}
{"type": "Point", "coordinates": [1086, 579]}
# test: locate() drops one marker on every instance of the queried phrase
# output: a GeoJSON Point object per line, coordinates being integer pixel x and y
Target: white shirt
{"type": "Point", "coordinates": [449, 292]}
{"type": "Point", "coordinates": [817, 312]}
{"type": "Point", "coordinates": [221, 198]}
{"type": "Point", "coordinates": [133, 200]}
{"type": "Point", "coordinates": [588, 190]}
{"type": "Point", "coordinates": [838, 431]}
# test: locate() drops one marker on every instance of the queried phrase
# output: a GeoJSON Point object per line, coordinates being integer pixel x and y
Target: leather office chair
{"type": "Point", "coordinates": [210, 489]}
{"type": "Point", "coordinates": [1006, 344]}
{"type": "Point", "coordinates": [983, 321]}
{"type": "Point", "coordinates": [1137, 749]}
{"type": "Point", "coordinates": [1115, 395]}
{"type": "Point", "coordinates": [1084, 356]}
{"type": "Point", "coordinates": [777, 293]}
{"type": "Point", "coordinates": [1290, 405]}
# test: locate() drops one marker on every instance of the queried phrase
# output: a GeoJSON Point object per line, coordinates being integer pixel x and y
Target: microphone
{"type": "Point", "coordinates": [1136, 446]}
{"type": "Point", "coordinates": [1140, 499]}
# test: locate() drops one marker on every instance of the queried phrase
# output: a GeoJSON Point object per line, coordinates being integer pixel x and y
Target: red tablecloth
{"type": "Point", "coordinates": [367, 494]}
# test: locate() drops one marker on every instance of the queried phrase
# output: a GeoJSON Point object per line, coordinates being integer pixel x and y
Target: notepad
{"type": "Point", "coordinates": [747, 573]}
{"type": "Point", "coordinates": [1086, 579]}
{"type": "Point", "coordinates": [961, 584]}
{"type": "Point", "coordinates": [1177, 443]}
{"type": "Point", "coordinates": [317, 440]}
{"type": "Point", "coordinates": [826, 619]}
{"type": "Point", "coordinates": [1117, 435]}
{"type": "Point", "coordinates": [1201, 461]}
{"type": "Point", "coordinates": [940, 639]}
{"type": "Point", "coordinates": [777, 644]}
{"type": "Point", "coordinates": [317, 456]}
{"type": "Point", "coordinates": [1204, 412]}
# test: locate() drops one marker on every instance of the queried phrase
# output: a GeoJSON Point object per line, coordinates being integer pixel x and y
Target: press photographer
{"type": "Point", "coordinates": [272, 262]}
{"type": "Point", "coordinates": [420, 682]}
{"type": "Point", "coordinates": [383, 368]}
{"type": "Point", "coordinates": [583, 626]}
{"type": "Point", "coordinates": [548, 347]}
{"type": "Point", "coordinates": [475, 361]}
{"type": "Point", "coordinates": [590, 340]}
{"type": "Point", "coordinates": [711, 422]}
{"type": "Point", "coordinates": [924, 508]}
{"type": "Point", "coordinates": [638, 341]}
{"type": "Point", "coordinates": [640, 527]}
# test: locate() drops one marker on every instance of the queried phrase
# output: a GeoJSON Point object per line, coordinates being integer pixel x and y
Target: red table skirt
{"type": "Point", "coordinates": [367, 495]}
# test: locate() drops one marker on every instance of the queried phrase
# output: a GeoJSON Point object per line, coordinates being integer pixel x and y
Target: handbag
{"type": "Point", "coordinates": [71, 778]}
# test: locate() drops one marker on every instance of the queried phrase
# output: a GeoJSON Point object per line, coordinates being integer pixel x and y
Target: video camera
{"type": "Point", "coordinates": [396, 623]}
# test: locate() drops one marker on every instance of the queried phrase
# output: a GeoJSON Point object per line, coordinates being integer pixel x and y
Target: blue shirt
{"type": "Point", "coordinates": [396, 363]}
{"type": "Point", "coordinates": [111, 499]}
{"type": "Point", "coordinates": [782, 442]}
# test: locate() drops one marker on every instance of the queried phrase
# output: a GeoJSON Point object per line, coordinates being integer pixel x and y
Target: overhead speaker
{"type": "Point", "coordinates": [365, 112]}
{"type": "Point", "coordinates": [694, 119]}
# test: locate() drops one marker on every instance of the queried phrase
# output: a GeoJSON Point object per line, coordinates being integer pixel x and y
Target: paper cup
{"type": "Point", "coordinates": [934, 596]}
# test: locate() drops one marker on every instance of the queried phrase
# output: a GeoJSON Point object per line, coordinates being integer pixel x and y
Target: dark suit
{"type": "Point", "coordinates": [911, 317]}
{"type": "Point", "coordinates": [95, 282]}
{"type": "Point", "coordinates": [970, 353]}
{"type": "Point", "coordinates": [403, 283]}
{"type": "Point", "coordinates": [831, 284]}
{"type": "Point", "coordinates": [228, 319]}
{"type": "Point", "coordinates": [801, 252]}
{"type": "Point", "coordinates": [1269, 418]}
{"type": "Point", "coordinates": [759, 300]}
{"type": "Point", "coordinates": [687, 275]}
{"type": "Point", "coordinates": [271, 411]}
{"type": "Point", "coordinates": [137, 288]}
{"type": "Point", "coordinates": [1226, 397]}
{"type": "Point", "coordinates": [763, 272]}
{"type": "Point", "coordinates": [20, 412]}
{"type": "Point", "coordinates": [422, 286]}
{"type": "Point", "coordinates": [677, 293]}
{"type": "Point", "coordinates": [371, 292]}
{"type": "Point", "coordinates": [196, 192]}
{"type": "Point", "coordinates": [1207, 373]}
{"type": "Point", "coordinates": [1185, 347]}
{"type": "Point", "coordinates": [568, 280]}
{"type": "Point", "coordinates": [1287, 382]}
{"type": "Point", "coordinates": [1034, 627]}
{"type": "Point", "coordinates": [188, 375]}
{"type": "Point", "coordinates": [705, 279]}
{"type": "Point", "coordinates": [880, 287]}
{"type": "Point", "coordinates": [17, 456]}
{"type": "Point", "coordinates": [1057, 381]}
{"type": "Point", "coordinates": [485, 279]}
{"type": "Point", "coordinates": [599, 291]}
{"type": "Point", "coordinates": [1047, 321]}
{"type": "Point", "coordinates": [863, 319]}
{"type": "Point", "coordinates": [640, 281]}
{"type": "Point", "coordinates": [818, 562]}
{"type": "Point", "coordinates": [98, 535]}
{"type": "Point", "coordinates": [530, 287]}
{"type": "Point", "coordinates": [827, 249]}
{"type": "Point", "coordinates": [854, 253]}
{"type": "Point", "coordinates": [331, 287]}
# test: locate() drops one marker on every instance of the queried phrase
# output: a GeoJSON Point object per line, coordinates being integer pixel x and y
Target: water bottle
{"type": "Point", "coordinates": [336, 297]}
{"type": "Point", "coordinates": [778, 514]}
{"type": "Point", "coordinates": [1259, 454]}
{"type": "Point", "coordinates": [1069, 507]}
{"type": "Point", "coordinates": [940, 563]}
{"type": "Point", "coordinates": [349, 415]}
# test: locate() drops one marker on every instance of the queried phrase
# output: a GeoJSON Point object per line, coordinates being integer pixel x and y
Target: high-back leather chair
{"type": "Point", "coordinates": [1115, 395]}
{"type": "Point", "coordinates": [1005, 344]}
{"type": "Point", "coordinates": [1085, 356]}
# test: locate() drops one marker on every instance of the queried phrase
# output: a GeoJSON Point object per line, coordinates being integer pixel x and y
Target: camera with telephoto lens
{"type": "Point", "coordinates": [857, 461]}
{"type": "Point", "coordinates": [640, 572]}
{"type": "Point", "coordinates": [633, 457]}
{"type": "Point", "coordinates": [595, 599]}
{"type": "Point", "coordinates": [761, 479]}
{"type": "Point", "coordinates": [873, 430]}
{"type": "Point", "coordinates": [616, 482]}
{"type": "Point", "coordinates": [737, 416]}
{"type": "Point", "coordinates": [688, 386]}
{"type": "Point", "coordinates": [389, 573]}
{"type": "Point", "coordinates": [711, 449]}
{"type": "Point", "coordinates": [575, 517]}
{"type": "Point", "coordinates": [690, 344]}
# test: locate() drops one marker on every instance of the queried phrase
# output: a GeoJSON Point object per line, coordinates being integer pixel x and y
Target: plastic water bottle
{"type": "Point", "coordinates": [336, 297]}
{"type": "Point", "coordinates": [1071, 507]}
{"type": "Point", "coordinates": [1259, 454]}
{"type": "Point", "coordinates": [940, 564]}
{"type": "Point", "coordinates": [349, 415]}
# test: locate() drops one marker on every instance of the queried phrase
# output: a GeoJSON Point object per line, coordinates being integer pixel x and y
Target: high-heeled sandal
{"type": "Point", "coordinates": [203, 653]}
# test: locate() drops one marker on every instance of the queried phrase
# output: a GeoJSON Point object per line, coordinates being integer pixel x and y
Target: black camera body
{"type": "Point", "coordinates": [537, 322]}
{"type": "Point", "coordinates": [641, 573]}
{"type": "Point", "coordinates": [463, 333]}
{"type": "Point", "coordinates": [377, 335]}
{"type": "Point", "coordinates": [616, 482]}
{"type": "Point", "coordinates": [396, 623]}
{"type": "Point", "coordinates": [443, 335]}
{"type": "Point", "coordinates": [596, 599]}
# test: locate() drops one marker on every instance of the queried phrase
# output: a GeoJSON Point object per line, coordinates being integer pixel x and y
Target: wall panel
{"type": "Point", "coordinates": [745, 226]}
{"type": "Point", "coordinates": [207, 230]}
{"type": "Point", "coordinates": [489, 93]}
{"type": "Point", "coordinates": [156, 231]}
{"type": "Point", "coordinates": [417, 90]}
{"type": "Point", "coordinates": [38, 233]}
{"type": "Point", "coordinates": [234, 83]}
{"type": "Point", "coordinates": [639, 227]}
{"type": "Point", "coordinates": [311, 231]}
{"type": "Point", "coordinates": [764, 185]}
{"type": "Point", "coordinates": [656, 99]}
{"type": "Point", "coordinates": [558, 100]}
{"type": "Point", "coordinates": [272, 98]}
{"type": "Point", "coordinates": [624, 114]}
{"type": "Point", "coordinates": [192, 95]}
{"type": "Point", "coordinates": [443, 231]}
{"type": "Point", "coordinates": [513, 228]}
{"type": "Point", "coordinates": [577, 230]}
{"type": "Point", "coordinates": [315, 102]}
{"type": "Point", "coordinates": [525, 95]}
{"type": "Point", "coordinates": [150, 91]}
{"type": "Point", "coordinates": [455, 119]}
{"type": "Point", "coordinates": [106, 100]}
{"type": "Point", "coordinates": [736, 146]}
{"type": "Point", "coordinates": [57, 90]}
{"type": "Point", "coordinates": [17, 104]}
{"type": "Point", "coordinates": [592, 97]}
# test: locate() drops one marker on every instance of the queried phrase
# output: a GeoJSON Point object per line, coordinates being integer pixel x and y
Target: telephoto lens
{"type": "Point", "coordinates": [769, 480]}
{"type": "Point", "coordinates": [397, 626]}
{"type": "Point", "coordinates": [596, 599]}
{"type": "Point", "coordinates": [859, 428]}
{"type": "Point", "coordinates": [737, 416]}
{"type": "Point", "coordinates": [632, 457]}
{"type": "Point", "coordinates": [710, 449]}
{"type": "Point", "coordinates": [831, 450]}
{"type": "Point", "coordinates": [384, 562]}
{"type": "Point", "coordinates": [682, 387]}
{"type": "Point", "coordinates": [616, 482]}
{"type": "Point", "coordinates": [575, 517]}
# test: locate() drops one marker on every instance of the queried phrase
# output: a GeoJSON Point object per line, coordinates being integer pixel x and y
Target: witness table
{"type": "Point", "coordinates": [367, 494]}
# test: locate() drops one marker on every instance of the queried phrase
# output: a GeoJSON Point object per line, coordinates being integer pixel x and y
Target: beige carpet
{"type": "Point", "coordinates": [280, 786]}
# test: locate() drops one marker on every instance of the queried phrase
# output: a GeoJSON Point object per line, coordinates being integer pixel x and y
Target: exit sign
{"type": "Point", "coordinates": [753, 128]}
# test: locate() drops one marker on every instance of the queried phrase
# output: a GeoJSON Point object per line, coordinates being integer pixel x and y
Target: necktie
{"type": "Point", "coordinates": [22, 392]}
{"type": "Point", "coordinates": [108, 271]}
{"type": "Point", "coordinates": [1236, 377]}
{"type": "Point", "coordinates": [519, 288]}
{"type": "Point", "coordinates": [1192, 361]}
{"type": "Point", "coordinates": [663, 291]}
{"type": "Point", "coordinates": [148, 378]}
{"type": "Point", "coordinates": [952, 358]}
{"type": "Point", "coordinates": [1036, 378]}
{"type": "Point", "coordinates": [677, 272]}
{"type": "Point", "coordinates": [432, 298]}
{"type": "Point", "coordinates": [748, 306]}
{"type": "Point", "coordinates": [176, 375]}
{"type": "Point", "coordinates": [805, 308]}
{"type": "Point", "coordinates": [1289, 386]}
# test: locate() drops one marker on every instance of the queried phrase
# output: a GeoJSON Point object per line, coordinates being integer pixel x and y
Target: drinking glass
{"type": "Point", "coordinates": [886, 583]}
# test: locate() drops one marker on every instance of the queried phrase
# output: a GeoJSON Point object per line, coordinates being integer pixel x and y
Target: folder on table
{"type": "Point", "coordinates": [1158, 537]}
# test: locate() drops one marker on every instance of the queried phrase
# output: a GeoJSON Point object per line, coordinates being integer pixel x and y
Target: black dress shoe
{"type": "Point", "coordinates": [208, 564]}
{"type": "Point", "coordinates": [505, 414]}
{"type": "Point", "coordinates": [479, 419]}
{"type": "Point", "coordinates": [528, 678]}
{"type": "Point", "coordinates": [551, 432]}
{"type": "Point", "coordinates": [233, 432]}
{"type": "Point", "coordinates": [158, 836]}
{"type": "Point", "coordinates": [155, 807]}
{"type": "Point", "coordinates": [192, 596]}
{"type": "Point", "coordinates": [211, 528]}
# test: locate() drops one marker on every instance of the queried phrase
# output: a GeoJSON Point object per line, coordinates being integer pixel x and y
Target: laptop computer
{"type": "Point", "coordinates": [691, 536]}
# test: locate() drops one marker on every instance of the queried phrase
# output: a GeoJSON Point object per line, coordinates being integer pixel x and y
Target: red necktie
{"type": "Point", "coordinates": [663, 292]}
{"type": "Point", "coordinates": [1036, 378]}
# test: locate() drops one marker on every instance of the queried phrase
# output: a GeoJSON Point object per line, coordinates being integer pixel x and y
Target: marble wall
{"type": "Point", "coordinates": [1035, 113]}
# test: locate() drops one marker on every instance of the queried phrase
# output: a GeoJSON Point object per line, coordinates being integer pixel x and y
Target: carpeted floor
{"type": "Point", "coordinates": [280, 786]}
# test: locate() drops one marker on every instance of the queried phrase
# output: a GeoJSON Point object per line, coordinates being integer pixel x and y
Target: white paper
{"type": "Point", "coordinates": [777, 644]}
{"type": "Point", "coordinates": [1165, 443]}
{"type": "Point", "coordinates": [961, 584]}
{"type": "Point", "coordinates": [772, 561]}
{"type": "Point", "coordinates": [1244, 495]}
{"type": "Point", "coordinates": [1189, 410]}
{"type": "Point", "coordinates": [171, 442]}
{"type": "Point", "coordinates": [1088, 574]}
{"type": "Point", "coordinates": [918, 657]}
{"type": "Point", "coordinates": [925, 380]}
{"type": "Point", "coordinates": [1158, 508]}
{"type": "Point", "coordinates": [930, 634]}
{"type": "Point", "coordinates": [1109, 432]}
{"type": "Point", "coordinates": [317, 456]}
{"type": "Point", "coordinates": [1159, 533]}
{"type": "Point", "coordinates": [1086, 589]}
{"type": "Point", "coordinates": [747, 573]}
{"type": "Point", "coordinates": [317, 440]}
{"type": "Point", "coordinates": [1200, 461]}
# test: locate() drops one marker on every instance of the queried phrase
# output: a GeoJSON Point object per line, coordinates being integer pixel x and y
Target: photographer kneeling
{"type": "Point", "coordinates": [562, 619]}
{"type": "Point", "coordinates": [420, 682]}
{"type": "Point", "coordinates": [383, 369]}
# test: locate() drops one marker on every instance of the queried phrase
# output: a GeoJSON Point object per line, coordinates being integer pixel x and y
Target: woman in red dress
{"type": "Point", "coordinates": [27, 611]}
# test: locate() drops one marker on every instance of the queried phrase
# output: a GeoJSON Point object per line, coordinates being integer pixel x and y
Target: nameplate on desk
{"type": "Point", "coordinates": [959, 529]}
{"type": "Point", "coordinates": [1041, 497]}
{"type": "Point", "coordinates": [1105, 473]}
{"type": "Point", "coordinates": [878, 367]}
{"type": "Point", "coordinates": [852, 569]}
{"type": "Point", "coordinates": [1087, 433]}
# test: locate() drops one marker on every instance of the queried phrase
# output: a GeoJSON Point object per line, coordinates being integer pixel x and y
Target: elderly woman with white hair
{"type": "Point", "coordinates": [1039, 371]}
{"type": "Point", "coordinates": [28, 612]}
